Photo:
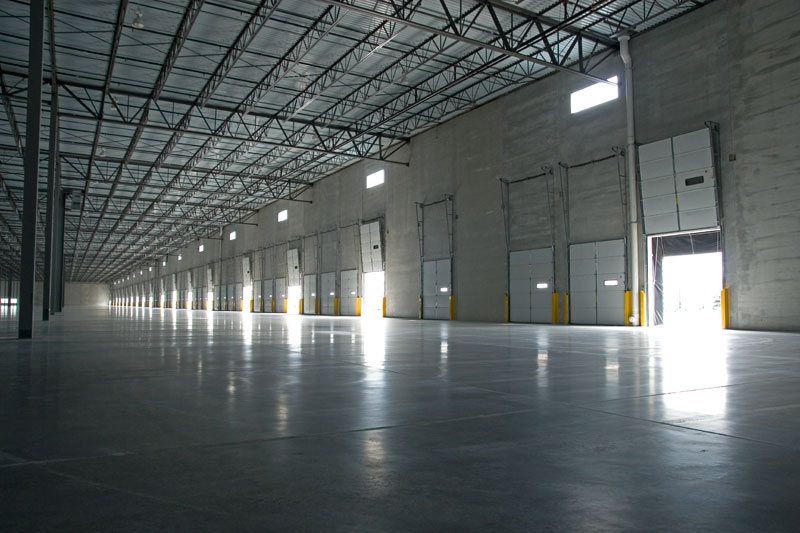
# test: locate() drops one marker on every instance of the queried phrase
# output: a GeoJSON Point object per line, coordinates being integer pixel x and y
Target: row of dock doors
{"type": "Point", "coordinates": [596, 284]}
{"type": "Point", "coordinates": [265, 292]}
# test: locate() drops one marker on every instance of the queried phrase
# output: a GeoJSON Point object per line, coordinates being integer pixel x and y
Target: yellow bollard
{"type": "Point", "coordinates": [628, 308]}
{"type": "Point", "coordinates": [642, 309]}
{"type": "Point", "coordinates": [554, 317]}
{"type": "Point", "coordinates": [725, 304]}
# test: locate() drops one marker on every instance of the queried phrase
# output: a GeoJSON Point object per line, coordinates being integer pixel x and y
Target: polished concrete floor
{"type": "Point", "coordinates": [150, 419]}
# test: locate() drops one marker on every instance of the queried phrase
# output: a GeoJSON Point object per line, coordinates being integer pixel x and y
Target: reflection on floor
{"type": "Point", "coordinates": [121, 419]}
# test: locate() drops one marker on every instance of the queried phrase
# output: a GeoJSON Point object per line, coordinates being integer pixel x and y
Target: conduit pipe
{"type": "Point", "coordinates": [633, 226]}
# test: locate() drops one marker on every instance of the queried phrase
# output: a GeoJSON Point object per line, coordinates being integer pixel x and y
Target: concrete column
{"type": "Point", "coordinates": [30, 200]}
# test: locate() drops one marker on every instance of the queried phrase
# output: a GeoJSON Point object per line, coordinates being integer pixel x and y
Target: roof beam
{"type": "Point", "coordinates": [319, 29]}
{"type": "Point", "coordinates": [12, 121]}
{"type": "Point", "coordinates": [555, 23]}
{"type": "Point", "coordinates": [213, 135]}
{"type": "Point", "coordinates": [120, 24]}
{"type": "Point", "coordinates": [510, 52]}
{"type": "Point", "coordinates": [70, 85]}
{"type": "Point", "coordinates": [189, 16]}
{"type": "Point", "coordinates": [258, 19]}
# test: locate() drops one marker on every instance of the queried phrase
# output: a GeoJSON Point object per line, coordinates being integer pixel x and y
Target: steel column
{"type": "Point", "coordinates": [53, 176]}
{"type": "Point", "coordinates": [633, 199]}
{"type": "Point", "coordinates": [58, 291]}
{"type": "Point", "coordinates": [53, 187]}
{"type": "Point", "coordinates": [30, 199]}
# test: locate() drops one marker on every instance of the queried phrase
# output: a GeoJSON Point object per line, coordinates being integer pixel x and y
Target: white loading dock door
{"type": "Point", "coordinates": [293, 267]}
{"type": "Point", "coordinates": [247, 282]}
{"type": "Point", "coordinates": [231, 297]}
{"type": "Point", "coordinates": [436, 289]}
{"type": "Point", "coordinates": [267, 295]}
{"type": "Point", "coordinates": [238, 295]}
{"type": "Point", "coordinates": [328, 295]}
{"type": "Point", "coordinates": [349, 292]}
{"type": "Point", "coordinates": [258, 298]}
{"type": "Point", "coordinates": [678, 183]}
{"type": "Point", "coordinates": [280, 295]}
{"type": "Point", "coordinates": [371, 248]}
{"type": "Point", "coordinates": [309, 294]}
{"type": "Point", "coordinates": [531, 285]}
{"type": "Point", "coordinates": [597, 283]}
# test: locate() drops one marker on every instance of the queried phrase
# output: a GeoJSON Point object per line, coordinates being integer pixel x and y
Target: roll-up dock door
{"type": "Point", "coordinates": [280, 295]}
{"type": "Point", "coordinates": [436, 289]}
{"type": "Point", "coordinates": [328, 290]}
{"type": "Point", "coordinates": [435, 223]}
{"type": "Point", "coordinates": [309, 294]}
{"type": "Point", "coordinates": [349, 292]}
{"type": "Point", "coordinates": [597, 283]}
{"type": "Point", "coordinates": [531, 285]}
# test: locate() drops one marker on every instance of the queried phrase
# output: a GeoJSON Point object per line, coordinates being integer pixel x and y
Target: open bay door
{"type": "Point", "coordinates": [597, 283]}
{"type": "Point", "coordinates": [372, 267]}
{"type": "Point", "coordinates": [247, 286]}
{"type": "Point", "coordinates": [371, 247]}
{"type": "Point", "coordinates": [209, 288]}
{"type": "Point", "coordinates": [294, 292]}
{"type": "Point", "coordinates": [681, 214]}
{"type": "Point", "coordinates": [174, 291]}
{"type": "Point", "coordinates": [189, 300]}
{"type": "Point", "coordinates": [349, 259]}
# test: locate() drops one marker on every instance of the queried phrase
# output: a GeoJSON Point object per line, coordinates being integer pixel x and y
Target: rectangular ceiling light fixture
{"type": "Point", "coordinates": [375, 179]}
{"type": "Point", "coordinates": [594, 95]}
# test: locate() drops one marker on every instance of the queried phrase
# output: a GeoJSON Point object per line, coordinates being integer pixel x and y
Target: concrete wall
{"type": "Point", "coordinates": [78, 294]}
{"type": "Point", "coordinates": [731, 62]}
{"type": "Point", "coordinates": [81, 294]}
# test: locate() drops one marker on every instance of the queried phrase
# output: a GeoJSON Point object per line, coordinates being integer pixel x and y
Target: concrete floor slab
{"type": "Point", "coordinates": [143, 419]}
